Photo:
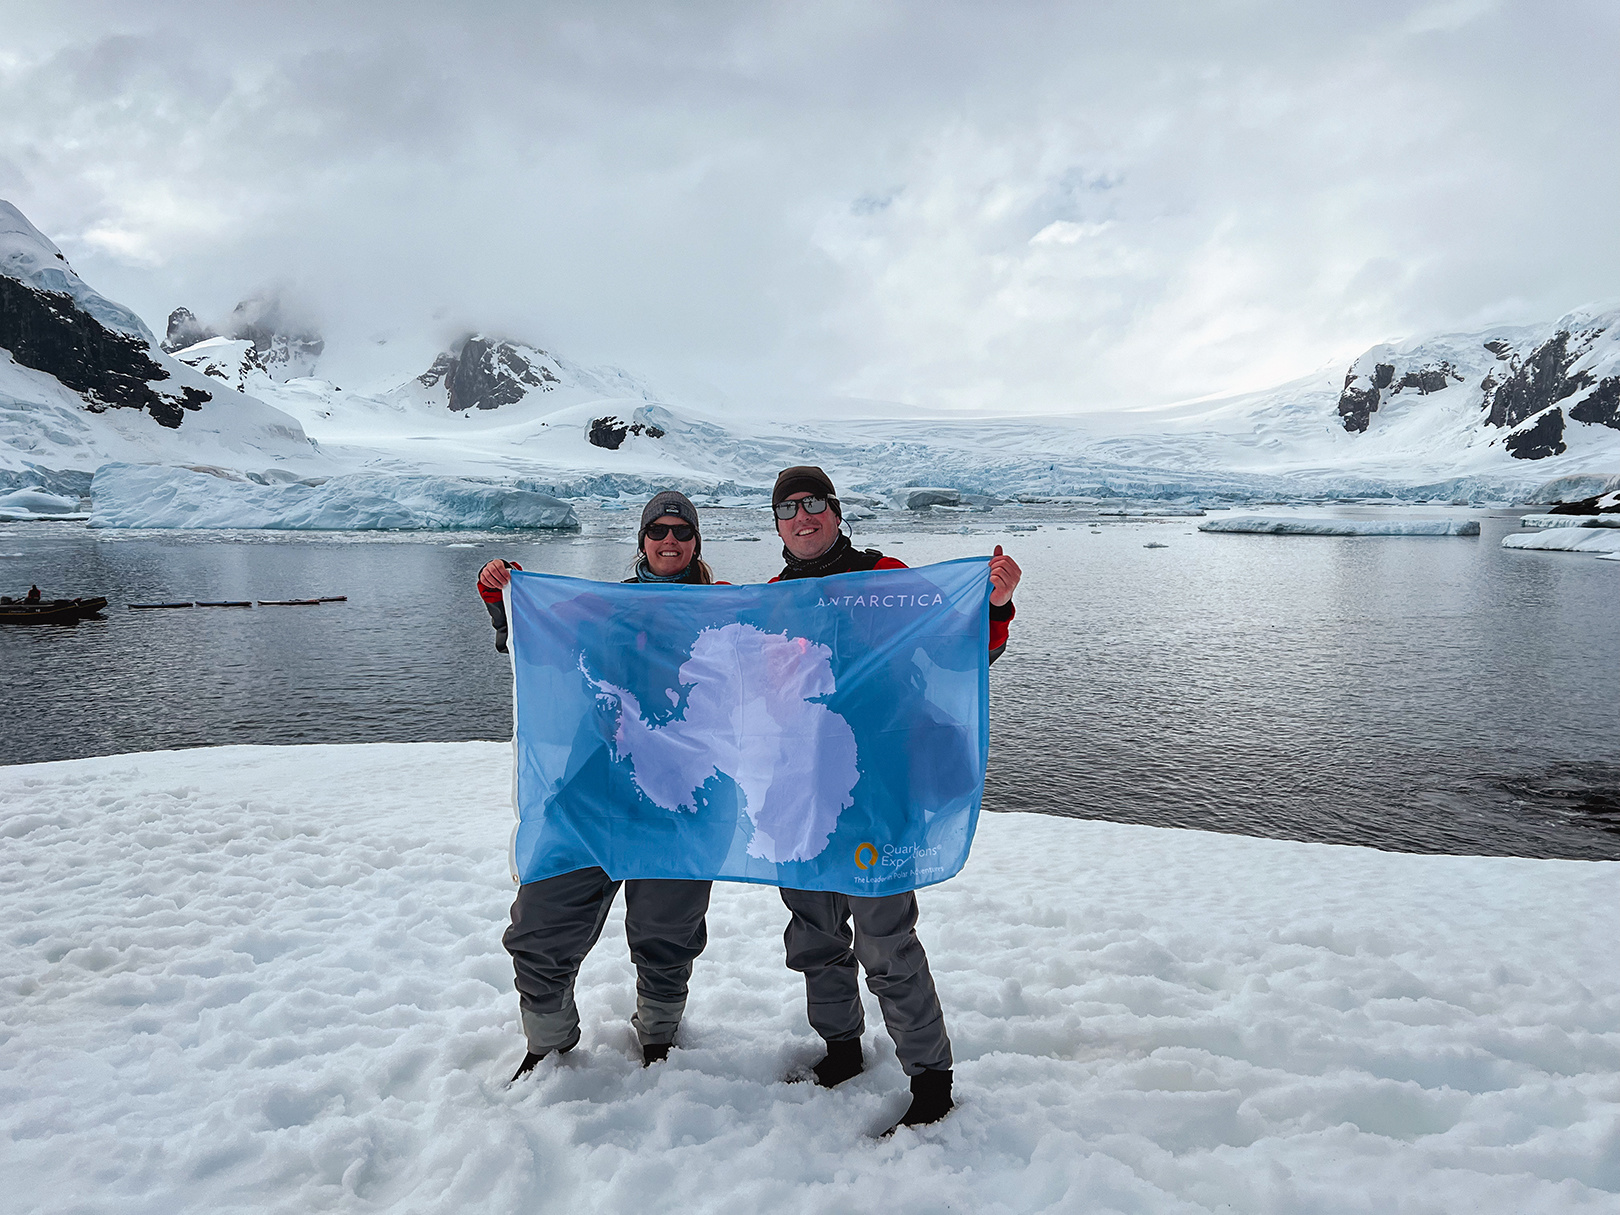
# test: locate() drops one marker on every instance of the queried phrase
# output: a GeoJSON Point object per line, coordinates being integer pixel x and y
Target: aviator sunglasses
{"type": "Point", "coordinates": [657, 531]}
{"type": "Point", "coordinates": [812, 506]}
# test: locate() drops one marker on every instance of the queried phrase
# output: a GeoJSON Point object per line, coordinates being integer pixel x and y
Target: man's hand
{"type": "Point", "coordinates": [495, 575]}
{"type": "Point", "coordinates": [1004, 576]}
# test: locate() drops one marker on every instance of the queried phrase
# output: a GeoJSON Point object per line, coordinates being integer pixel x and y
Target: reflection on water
{"type": "Point", "coordinates": [1436, 695]}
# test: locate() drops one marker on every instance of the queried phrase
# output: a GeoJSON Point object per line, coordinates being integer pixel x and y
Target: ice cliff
{"type": "Point", "coordinates": [128, 495]}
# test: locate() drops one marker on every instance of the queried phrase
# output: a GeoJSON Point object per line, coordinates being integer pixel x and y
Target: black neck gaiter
{"type": "Point", "coordinates": [827, 563]}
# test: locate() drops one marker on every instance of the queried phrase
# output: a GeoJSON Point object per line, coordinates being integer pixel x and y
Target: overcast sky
{"type": "Point", "coordinates": [996, 205]}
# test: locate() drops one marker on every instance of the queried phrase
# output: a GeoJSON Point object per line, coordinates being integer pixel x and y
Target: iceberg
{"type": "Point", "coordinates": [154, 496]}
{"type": "Point", "coordinates": [1570, 521]}
{"type": "Point", "coordinates": [921, 497]}
{"type": "Point", "coordinates": [1568, 540]}
{"type": "Point", "coordinates": [1270, 525]}
{"type": "Point", "coordinates": [34, 503]}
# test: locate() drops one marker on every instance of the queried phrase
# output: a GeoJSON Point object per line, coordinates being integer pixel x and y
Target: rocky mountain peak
{"type": "Point", "coordinates": [484, 373]}
{"type": "Point", "coordinates": [285, 348]}
{"type": "Point", "coordinates": [51, 321]}
{"type": "Point", "coordinates": [185, 330]}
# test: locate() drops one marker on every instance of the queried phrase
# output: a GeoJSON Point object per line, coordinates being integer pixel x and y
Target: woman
{"type": "Point", "coordinates": [556, 920]}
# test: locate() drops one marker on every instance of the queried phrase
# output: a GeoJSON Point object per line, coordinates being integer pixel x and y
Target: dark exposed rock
{"type": "Point", "coordinates": [46, 330]}
{"type": "Point", "coordinates": [1499, 348]}
{"type": "Point", "coordinates": [286, 349]}
{"type": "Point", "coordinates": [1545, 438]}
{"type": "Point", "coordinates": [1356, 406]}
{"type": "Point", "coordinates": [1601, 406]}
{"type": "Point", "coordinates": [1360, 400]}
{"type": "Point", "coordinates": [610, 433]}
{"type": "Point", "coordinates": [1543, 379]}
{"type": "Point", "coordinates": [485, 374]}
{"type": "Point", "coordinates": [1597, 504]}
{"type": "Point", "coordinates": [185, 330]}
{"type": "Point", "coordinates": [442, 366]}
{"type": "Point", "coordinates": [1427, 379]}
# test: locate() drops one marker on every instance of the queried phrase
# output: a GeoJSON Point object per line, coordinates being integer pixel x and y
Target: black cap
{"type": "Point", "coordinates": [801, 478]}
{"type": "Point", "coordinates": [670, 502]}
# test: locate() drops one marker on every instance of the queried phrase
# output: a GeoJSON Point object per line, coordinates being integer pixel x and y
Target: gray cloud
{"type": "Point", "coordinates": [1027, 206]}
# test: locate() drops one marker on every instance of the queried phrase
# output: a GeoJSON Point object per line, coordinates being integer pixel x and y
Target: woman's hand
{"type": "Point", "coordinates": [1004, 576]}
{"type": "Point", "coordinates": [495, 575]}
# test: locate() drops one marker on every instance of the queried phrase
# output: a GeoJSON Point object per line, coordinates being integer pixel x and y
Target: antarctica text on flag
{"type": "Point", "coordinates": [819, 733]}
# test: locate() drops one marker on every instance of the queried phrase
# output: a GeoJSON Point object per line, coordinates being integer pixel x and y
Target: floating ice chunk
{"type": "Point", "coordinates": [1153, 512]}
{"type": "Point", "coordinates": [134, 495]}
{"type": "Point", "coordinates": [1570, 521]}
{"type": "Point", "coordinates": [39, 502]}
{"type": "Point", "coordinates": [1271, 525]}
{"type": "Point", "coordinates": [34, 503]}
{"type": "Point", "coordinates": [921, 497]}
{"type": "Point", "coordinates": [1568, 540]}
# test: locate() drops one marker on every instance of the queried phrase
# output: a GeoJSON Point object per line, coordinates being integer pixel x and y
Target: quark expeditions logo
{"type": "Point", "coordinates": [892, 602]}
{"type": "Point", "coordinates": [892, 857]}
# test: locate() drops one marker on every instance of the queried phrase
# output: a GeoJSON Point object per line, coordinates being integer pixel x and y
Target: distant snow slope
{"type": "Point", "coordinates": [271, 979]}
{"type": "Point", "coordinates": [82, 381]}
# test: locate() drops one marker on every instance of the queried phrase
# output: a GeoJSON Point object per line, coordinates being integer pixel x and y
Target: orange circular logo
{"type": "Point", "coordinates": [866, 855]}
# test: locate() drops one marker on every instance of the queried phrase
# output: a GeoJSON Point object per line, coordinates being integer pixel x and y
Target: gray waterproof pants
{"type": "Point", "coordinates": [821, 946]}
{"type": "Point", "coordinates": [557, 920]}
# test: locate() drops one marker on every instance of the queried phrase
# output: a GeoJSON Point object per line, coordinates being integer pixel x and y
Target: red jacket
{"type": "Point", "coordinates": [862, 559]}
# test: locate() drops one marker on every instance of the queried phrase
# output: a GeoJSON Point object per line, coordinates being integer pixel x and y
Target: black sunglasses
{"type": "Point", "coordinates": [658, 531]}
{"type": "Point", "coordinates": [812, 506]}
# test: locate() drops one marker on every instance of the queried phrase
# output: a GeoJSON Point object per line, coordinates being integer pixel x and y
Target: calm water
{"type": "Point", "coordinates": [1431, 695]}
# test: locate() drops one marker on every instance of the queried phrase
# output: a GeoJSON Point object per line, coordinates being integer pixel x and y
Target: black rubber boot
{"type": "Point", "coordinates": [655, 1052]}
{"type": "Point", "coordinates": [529, 1061]}
{"type": "Point", "coordinates": [843, 1061]}
{"type": "Point", "coordinates": [930, 1100]}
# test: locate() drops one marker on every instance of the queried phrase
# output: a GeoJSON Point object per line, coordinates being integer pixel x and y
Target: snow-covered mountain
{"type": "Point", "coordinates": [1485, 416]}
{"type": "Point", "coordinates": [83, 381]}
{"type": "Point", "coordinates": [1521, 388]}
{"type": "Point", "coordinates": [283, 349]}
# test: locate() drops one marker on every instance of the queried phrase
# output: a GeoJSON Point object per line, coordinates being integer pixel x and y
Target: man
{"type": "Point", "coordinates": [820, 944]}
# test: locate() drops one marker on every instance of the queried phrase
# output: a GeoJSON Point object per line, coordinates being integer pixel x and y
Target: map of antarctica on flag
{"type": "Point", "coordinates": [822, 734]}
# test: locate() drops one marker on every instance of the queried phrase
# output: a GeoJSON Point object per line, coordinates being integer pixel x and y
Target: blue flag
{"type": "Point", "coordinates": [820, 734]}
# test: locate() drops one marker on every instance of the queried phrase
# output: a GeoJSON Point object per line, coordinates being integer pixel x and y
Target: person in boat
{"type": "Point", "coordinates": [884, 942]}
{"type": "Point", "coordinates": [556, 920]}
{"type": "Point", "coordinates": [34, 595]}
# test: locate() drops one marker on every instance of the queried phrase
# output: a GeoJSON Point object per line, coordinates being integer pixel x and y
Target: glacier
{"type": "Point", "coordinates": [149, 496]}
{"type": "Point", "coordinates": [1268, 525]}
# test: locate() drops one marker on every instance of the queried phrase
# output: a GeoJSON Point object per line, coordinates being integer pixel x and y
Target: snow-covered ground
{"type": "Point", "coordinates": [270, 979]}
